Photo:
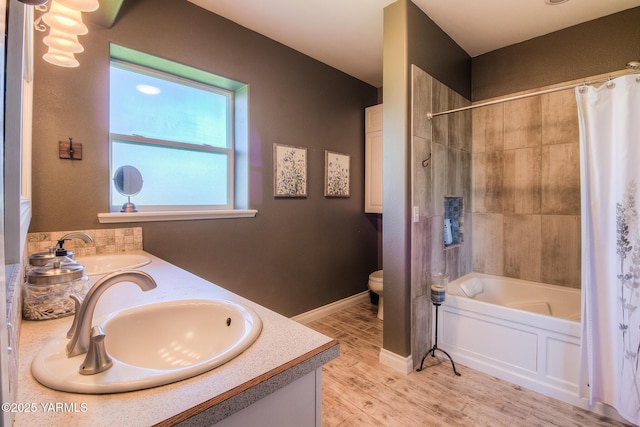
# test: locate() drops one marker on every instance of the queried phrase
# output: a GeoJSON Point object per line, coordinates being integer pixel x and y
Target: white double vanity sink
{"type": "Point", "coordinates": [275, 379]}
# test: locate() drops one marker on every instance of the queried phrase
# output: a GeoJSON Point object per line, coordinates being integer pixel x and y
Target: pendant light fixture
{"type": "Point", "coordinates": [64, 18]}
{"type": "Point", "coordinates": [80, 5]}
{"type": "Point", "coordinates": [63, 41]}
{"type": "Point", "coordinates": [61, 58]}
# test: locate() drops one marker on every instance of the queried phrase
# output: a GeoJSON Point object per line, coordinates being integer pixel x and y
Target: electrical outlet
{"type": "Point", "coordinates": [416, 213]}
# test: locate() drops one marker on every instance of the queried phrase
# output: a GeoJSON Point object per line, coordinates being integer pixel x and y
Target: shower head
{"type": "Point", "coordinates": [633, 65]}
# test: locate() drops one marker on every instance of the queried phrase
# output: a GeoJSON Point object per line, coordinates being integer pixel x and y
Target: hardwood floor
{"type": "Point", "coordinates": [359, 391]}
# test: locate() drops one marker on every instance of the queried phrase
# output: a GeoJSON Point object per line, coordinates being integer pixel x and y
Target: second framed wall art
{"type": "Point", "coordinates": [336, 174]}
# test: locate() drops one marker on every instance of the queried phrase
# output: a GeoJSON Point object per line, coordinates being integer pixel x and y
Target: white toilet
{"type": "Point", "coordinates": [375, 286]}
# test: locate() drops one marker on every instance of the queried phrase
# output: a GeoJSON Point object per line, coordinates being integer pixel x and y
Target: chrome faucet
{"type": "Point", "coordinates": [80, 332]}
{"type": "Point", "coordinates": [61, 251]}
{"type": "Point", "coordinates": [78, 235]}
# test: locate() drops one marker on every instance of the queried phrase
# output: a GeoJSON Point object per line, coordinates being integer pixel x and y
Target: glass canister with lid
{"type": "Point", "coordinates": [46, 293]}
{"type": "Point", "coordinates": [42, 259]}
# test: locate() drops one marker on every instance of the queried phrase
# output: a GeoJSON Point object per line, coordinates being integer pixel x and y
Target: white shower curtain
{"type": "Point", "coordinates": [609, 118]}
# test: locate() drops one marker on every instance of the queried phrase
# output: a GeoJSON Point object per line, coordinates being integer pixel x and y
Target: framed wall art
{"type": "Point", "coordinates": [289, 171]}
{"type": "Point", "coordinates": [336, 174]}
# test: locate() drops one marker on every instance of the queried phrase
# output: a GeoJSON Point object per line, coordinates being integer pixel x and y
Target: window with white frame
{"type": "Point", "coordinates": [178, 132]}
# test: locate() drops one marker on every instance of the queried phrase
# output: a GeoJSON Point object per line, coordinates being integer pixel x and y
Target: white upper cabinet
{"type": "Point", "coordinates": [373, 160]}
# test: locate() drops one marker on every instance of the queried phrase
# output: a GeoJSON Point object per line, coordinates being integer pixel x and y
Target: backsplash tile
{"type": "Point", "coordinates": [105, 241]}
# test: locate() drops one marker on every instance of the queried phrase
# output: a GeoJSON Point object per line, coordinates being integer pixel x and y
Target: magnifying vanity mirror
{"type": "Point", "coordinates": [128, 182]}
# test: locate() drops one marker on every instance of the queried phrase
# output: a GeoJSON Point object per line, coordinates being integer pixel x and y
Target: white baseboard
{"type": "Point", "coordinates": [397, 362]}
{"type": "Point", "coordinates": [328, 309]}
{"type": "Point", "coordinates": [387, 358]}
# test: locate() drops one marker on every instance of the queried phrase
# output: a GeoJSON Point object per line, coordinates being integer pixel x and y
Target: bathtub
{"type": "Point", "coordinates": [524, 332]}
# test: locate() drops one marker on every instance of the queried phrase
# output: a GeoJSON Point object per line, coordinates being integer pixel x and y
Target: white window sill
{"type": "Point", "coordinates": [116, 217]}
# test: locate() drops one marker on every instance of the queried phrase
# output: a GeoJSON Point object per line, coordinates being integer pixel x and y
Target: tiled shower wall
{"type": "Point", "coordinates": [526, 189]}
{"type": "Point", "coordinates": [441, 166]}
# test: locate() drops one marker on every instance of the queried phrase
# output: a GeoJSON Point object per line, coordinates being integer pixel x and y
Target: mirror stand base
{"type": "Point", "coordinates": [129, 207]}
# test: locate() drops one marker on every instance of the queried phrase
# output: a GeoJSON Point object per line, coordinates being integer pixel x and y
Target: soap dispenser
{"type": "Point", "coordinates": [40, 259]}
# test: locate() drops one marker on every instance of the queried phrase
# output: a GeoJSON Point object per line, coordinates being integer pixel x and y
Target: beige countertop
{"type": "Point", "coordinates": [284, 351]}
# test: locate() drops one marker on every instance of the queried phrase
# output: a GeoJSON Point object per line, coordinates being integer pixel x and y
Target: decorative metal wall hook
{"type": "Point", "coordinates": [425, 162]}
{"type": "Point", "coordinates": [70, 150]}
{"type": "Point", "coordinates": [38, 25]}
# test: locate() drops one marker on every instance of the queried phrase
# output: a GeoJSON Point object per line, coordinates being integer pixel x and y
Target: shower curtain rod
{"type": "Point", "coordinates": [525, 95]}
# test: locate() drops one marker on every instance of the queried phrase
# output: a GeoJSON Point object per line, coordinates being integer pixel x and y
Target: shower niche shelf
{"type": "Point", "coordinates": [453, 221]}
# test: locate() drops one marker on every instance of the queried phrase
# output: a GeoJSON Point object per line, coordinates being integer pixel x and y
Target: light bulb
{"type": "Point", "coordinates": [64, 19]}
{"type": "Point", "coordinates": [60, 58]}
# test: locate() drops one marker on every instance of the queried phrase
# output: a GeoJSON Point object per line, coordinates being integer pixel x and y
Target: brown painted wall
{"type": "Point", "coordinates": [295, 255]}
{"type": "Point", "coordinates": [435, 52]}
{"type": "Point", "coordinates": [600, 46]}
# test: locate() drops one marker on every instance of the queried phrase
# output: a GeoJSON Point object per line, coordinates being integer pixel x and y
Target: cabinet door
{"type": "Point", "coordinates": [373, 119]}
{"type": "Point", "coordinates": [373, 172]}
